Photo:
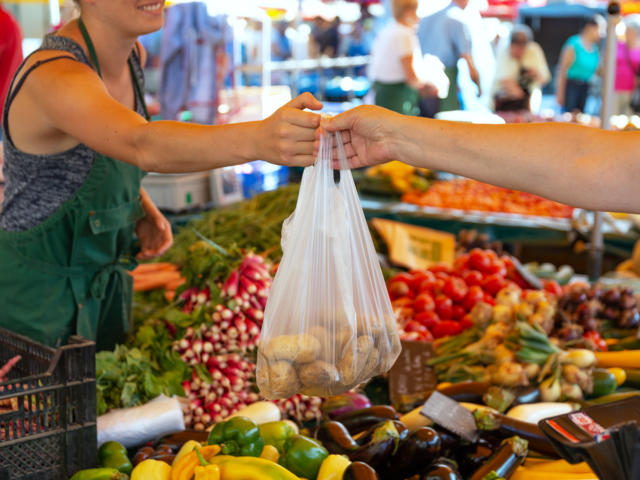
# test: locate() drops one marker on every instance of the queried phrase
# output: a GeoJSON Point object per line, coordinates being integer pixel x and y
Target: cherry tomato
{"type": "Point", "coordinates": [552, 287]}
{"type": "Point", "coordinates": [398, 289]}
{"type": "Point", "coordinates": [442, 275]}
{"type": "Point", "coordinates": [493, 284]}
{"type": "Point", "coordinates": [474, 295]}
{"type": "Point", "coordinates": [472, 277]}
{"type": "Point", "coordinates": [413, 326]}
{"type": "Point", "coordinates": [466, 322]}
{"type": "Point", "coordinates": [445, 328]}
{"type": "Point", "coordinates": [424, 303]}
{"type": "Point", "coordinates": [428, 319]}
{"type": "Point", "coordinates": [498, 268]}
{"type": "Point", "coordinates": [438, 286]}
{"type": "Point", "coordinates": [457, 312]}
{"type": "Point", "coordinates": [419, 278]}
{"type": "Point", "coordinates": [479, 260]}
{"type": "Point", "coordinates": [444, 306]}
{"type": "Point", "coordinates": [461, 263]}
{"type": "Point", "coordinates": [599, 343]}
{"type": "Point", "coordinates": [455, 289]}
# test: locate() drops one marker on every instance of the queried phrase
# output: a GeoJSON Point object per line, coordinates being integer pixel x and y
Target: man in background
{"type": "Point", "coordinates": [445, 35]}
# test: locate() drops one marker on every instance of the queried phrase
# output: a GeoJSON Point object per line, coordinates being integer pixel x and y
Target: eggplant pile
{"type": "Point", "coordinates": [382, 447]}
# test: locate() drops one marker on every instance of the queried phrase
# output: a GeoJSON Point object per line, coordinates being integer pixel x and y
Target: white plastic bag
{"type": "Point", "coordinates": [329, 324]}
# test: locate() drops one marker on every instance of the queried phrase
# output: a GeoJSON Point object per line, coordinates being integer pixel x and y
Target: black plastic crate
{"type": "Point", "coordinates": [47, 409]}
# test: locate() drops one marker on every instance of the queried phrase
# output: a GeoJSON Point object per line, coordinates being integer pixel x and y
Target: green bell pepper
{"type": "Point", "coordinates": [114, 455]}
{"type": "Point", "coordinates": [303, 456]}
{"type": "Point", "coordinates": [238, 436]}
{"type": "Point", "coordinates": [276, 434]}
{"type": "Point", "coordinates": [100, 474]}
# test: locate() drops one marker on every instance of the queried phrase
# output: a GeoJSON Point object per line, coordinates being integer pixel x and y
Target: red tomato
{"type": "Point", "coordinates": [455, 289]}
{"type": "Point", "coordinates": [493, 284]}
{"type": "Point", "coordinates": [489, 299]}
{"type": "Point", "coordinates": [428, 319]}
{"type": "Point", "coordinates": [426, 336]}
{"type": "Point", "coordinates": [466, 322]}
{"type": "Point", "coordinates": [479, 260]}
{"type": "Point", "coordinates": [424, 303]}
{"type": "Point", "coordinates": [461, 263]}
{"type": "Point", "coordinates": [440, 268]}
{"type": "Point", "coordinates": [444, 306]}
{"type": "Point", "coordinates": [552, 287]}
{"type": "Point", "coordinates": [438, 286]}
{"type": "Point", "coordinates": [398, 289]}
{"type": "Point", "coordinates": [474, 295]}
{"type": "Point", "coordinates": [442, 275]}
{"type": "Point", "coordinates": [402, 302]}
{"type": "Point", "coordinates": [457, 312]}
{"type": "Point", "coordinates": [472, 277]}
{"type": "Point", "coordinates": [419, 280]}
{"type": "Point", "coordinates": [498, 268]}
{"type": "Point", "coordinates": [445, 328]}
{"type": "Point", "coordinates": [413, 326]}
{"type": "Point", "coordinates": [402, 277]}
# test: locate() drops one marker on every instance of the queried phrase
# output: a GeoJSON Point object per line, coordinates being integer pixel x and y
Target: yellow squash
{"type": "Point", "coordinates": [151, 469]}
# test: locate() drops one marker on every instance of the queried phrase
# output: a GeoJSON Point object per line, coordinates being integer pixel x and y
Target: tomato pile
{"type": "Point", "coordinates": [436, 302]}
{"type": "Point", "coordinates": [471, 195]}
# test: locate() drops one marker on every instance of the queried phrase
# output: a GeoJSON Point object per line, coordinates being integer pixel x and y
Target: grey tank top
{"type": "Point", "coordinates": [37, 185]}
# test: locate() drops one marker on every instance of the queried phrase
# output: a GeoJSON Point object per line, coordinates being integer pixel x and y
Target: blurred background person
{"type": "Point", "coordinates": [394, 56]}
{"type": "Point", "coordinates": [280, 43]}
{"type": "Point", "coordinates": [10, 53]}
{"type": "Point", "coordinates": [446, 35]}
{"type": "Point", "coordinates": [627, 67]}
{"type": "Point", "coordinates": [521, 72]}
{"type": "Point", "coordinates": [579, 62]}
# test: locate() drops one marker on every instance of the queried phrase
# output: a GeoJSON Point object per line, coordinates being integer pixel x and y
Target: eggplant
{"type": "Point", "coordinates": [401, 428]}
{"type": "Point", "coordinates": [336, 438]}
{"type": "Point", "coordinates": [526, 395]}
{"type": "Point", "coordinates": [414, 454]}
{"type": "Point", "coordinates": [442, 469]}
{"type": "Point", "coordinates": [505, 460]}
{"type": "Point", "coordinates": [471, 456]}
{"type": "Point", "coordinates": [506, 427]}
{"type": "Point", "coordinates": [470, 392]}
{"type": "Point", "coordinates": [337, 405]}
{"type": "Point", "coordinates": [449, 442]}
{"type": "Point", "coordinates": [359, 420]}
{"type": "Point", "coordinates": [359, 471]}
{"type": "Point", "coordinates": [384, 441]}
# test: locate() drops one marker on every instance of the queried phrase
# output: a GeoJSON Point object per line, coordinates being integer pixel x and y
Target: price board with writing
{"type": "Point", "coordinates": [411, 379]}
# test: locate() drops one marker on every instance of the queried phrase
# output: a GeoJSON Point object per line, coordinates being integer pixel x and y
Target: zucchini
{"type": "Point", "coordinates": [633, 378]}
{"type": "Point", "coordinates": [604, 382]}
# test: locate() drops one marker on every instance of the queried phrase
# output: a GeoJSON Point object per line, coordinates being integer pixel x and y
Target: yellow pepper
{"type": "Point", "coordinates": [242, 468]}
{"type": "Point", "coordinates": [269, 452]}
{"type": "Point", "coordinates": [186, 448]}
{"type": "Point", "coordinates": [151, 469]}
{"type": "Point", "coordinates": [209, 472]}
{"type": "Point", "coordinates": [184, 469]}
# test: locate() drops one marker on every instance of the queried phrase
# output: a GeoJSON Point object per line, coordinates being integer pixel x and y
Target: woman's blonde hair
{"type": "Point", "coordinates": [399, 7]}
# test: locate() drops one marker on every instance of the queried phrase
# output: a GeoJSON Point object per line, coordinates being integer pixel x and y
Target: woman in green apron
{"type": "Point", "coordinates": [77, 143]}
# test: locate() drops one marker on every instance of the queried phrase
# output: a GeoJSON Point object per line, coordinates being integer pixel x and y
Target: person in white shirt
{"type": "Point", "coordinates": [521, 72]}
{"type": "Point", "coordinates": [394, 58]}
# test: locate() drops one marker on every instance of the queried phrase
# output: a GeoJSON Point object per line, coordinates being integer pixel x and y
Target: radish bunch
{"type": "Point", "coordinates": [300, 407]}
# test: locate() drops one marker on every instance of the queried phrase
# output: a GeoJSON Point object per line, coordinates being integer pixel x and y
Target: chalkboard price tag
{"type": "Point", "coordinates": [411, 380]}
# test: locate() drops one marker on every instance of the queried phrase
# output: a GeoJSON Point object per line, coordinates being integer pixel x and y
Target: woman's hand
{"type": "Point", "coordinates": [367, 133]}
{"type": "Point", "coordinates": [154, 230]}
{"type": "Point", "coordinates": [287, 136]}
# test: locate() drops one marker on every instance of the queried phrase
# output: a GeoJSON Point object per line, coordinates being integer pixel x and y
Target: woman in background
{"type": "Point", "coordinates": [627, 67]}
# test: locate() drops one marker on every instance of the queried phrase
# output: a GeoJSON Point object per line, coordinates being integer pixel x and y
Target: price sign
{"type": "Point", "coordinates": [411, 379]}
{"type": "Point", "coordinates": [415, 247]}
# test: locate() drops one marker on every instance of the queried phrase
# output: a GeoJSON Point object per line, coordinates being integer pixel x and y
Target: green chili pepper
{"type": "Point", "coordinates": [114, 455]}
{"type": "Point", "coordinates": [303, 456]}
{"type": "Point", "coordinates": [100, 474]}
{"type": "Point", "coordinates": [238, 436]}
{"type": "Point", "coordinates": [276, 434]}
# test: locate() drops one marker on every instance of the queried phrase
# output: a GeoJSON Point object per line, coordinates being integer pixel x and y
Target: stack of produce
{"type": "Point", "coordinates": [584, 309]}
{"type": "Point", "coordinates": [470, 195]}
{"type": "Point", "coordinates": [396, 176]}
{"type": "Point", "coordinates": [509, 347]}
{"type": "Point", "coordinates": [436, 302]}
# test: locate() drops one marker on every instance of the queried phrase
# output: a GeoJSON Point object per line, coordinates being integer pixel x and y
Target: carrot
{"type": "Point", "coordinates": [145, 268]}
{"type": "Point", "coordinates": [176, 283]}
{"type": "Point", "coordinates": [622, 359]}
{"type": "Point", "coordinates": [157, 280]}
{"type": "Point", "coordinates": [169, 295]}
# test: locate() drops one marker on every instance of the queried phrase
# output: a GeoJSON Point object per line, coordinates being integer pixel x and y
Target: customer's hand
{"type": "Point", "coordinates": [287, 137]}
{"type": "Point", "coordinates": [366, 133]}
{"type": "Point", "coordinates": [153, 231]}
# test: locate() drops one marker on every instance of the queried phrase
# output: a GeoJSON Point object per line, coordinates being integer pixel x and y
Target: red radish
{"type": "Point", "coordinates": [230, 287]}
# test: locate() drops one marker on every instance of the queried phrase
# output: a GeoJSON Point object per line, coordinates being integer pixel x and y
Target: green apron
{"type": "Point", "coordinates": [451, 102]}
{"type": "Point", "coordinates": [398, 97]}
{"type": "Point", "coordinates": [68, 275]}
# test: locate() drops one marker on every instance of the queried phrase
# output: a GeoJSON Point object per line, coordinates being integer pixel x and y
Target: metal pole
{"type": "Point", "coordinates": [596, 250]}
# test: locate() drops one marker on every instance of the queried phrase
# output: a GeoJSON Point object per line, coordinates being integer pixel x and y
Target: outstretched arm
{"type": "Point", "coordinates": [580, 166]}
